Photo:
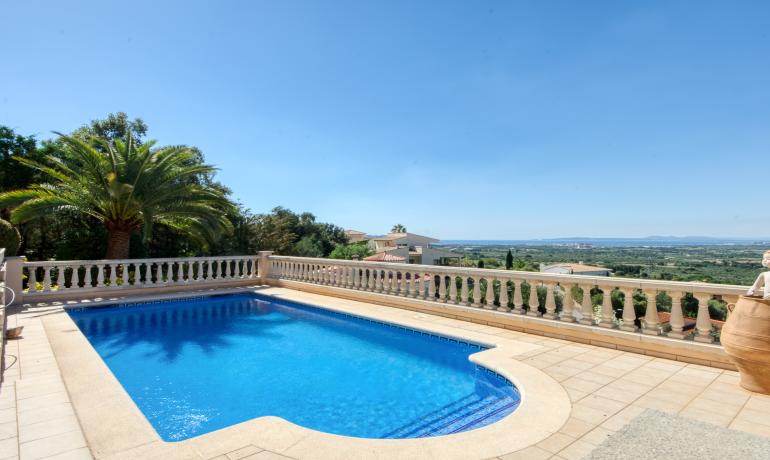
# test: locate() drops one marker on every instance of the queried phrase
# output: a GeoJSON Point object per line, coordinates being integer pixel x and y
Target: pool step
{"type": "Point", "coordinates": [462, 415]}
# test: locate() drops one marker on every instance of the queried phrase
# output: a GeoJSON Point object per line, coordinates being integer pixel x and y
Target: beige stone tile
{"type": "Point", "coordinates": [43, 401]}
{"type": "Point", "coordinates": [622, 391]}
{"type": "Point", "coordinates": [48, 428]}
{"type": "Point", "coordinates": [555, 442]}
{"type": "Point", "coordinates": [597, 436]}
{"type": "Point", "coordinates": [749, 427]}
{"type": "Point", "coordinates": [593, 376]}
{"type": "Point", "coordinates": [530, 453]}
{"type": "Point", "coordinates": [8, 430]}
{"type": "Point", "coordinates": [621, 419]}
{"type": "Point", "coordinates": [267, 455]}
{"type": "Point", "coordinates": [8, 415]}
{"type": "Point", "coordinates": [758, 404]}
{"type": "Point", "coordinates": [9, 448]}
{"type": "Point", "coordinates": [608, 371]}
{"type": "Point", "coordinates": [577, 450]}
{"type": "Point", "coordinates": [576, 427]}
{"type": "Point", "coordinates": [46, 447]}
{"type": "Point", "coordinates": [243, 452]}
{"type": "Point", "coordinates": [723, 407]}
{"type": "Point", "coordinates": [715, 418]}
{"type": "Point", "coordinates": [605, 405]}
{"type": "Point", "coordinates": [753, 416]}
{"type": "Point", "coordinates": [78, 454]}
{"type": "Point", "coordinates": [45, 413]}
{"type": "Point", "coordinates": [649, 402]}
{"type": "Point", "coordinates": [580, 384]}
{"type": "Point", "coordinates": [575, 395]}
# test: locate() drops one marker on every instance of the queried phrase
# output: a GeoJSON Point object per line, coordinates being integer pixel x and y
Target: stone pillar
{"type": "Point", "coordinates": [608, 314]}
{"type": "Point", "coordinates": [677, 316]}
{"type": "Point", "coordinates": [534, 302]}
{"type": "Point", "coordinates": [13, 279]}
{"type": "Point", "coordinates": [489, 300]}
{"type": "Point", "coordinates": [703, 321]}
{"type": "Point", "coordinates": [550, 301]}
{"type": "Point", "coordinates": [629, 313]}
{"type": "Point", "coordinates": [651, 320]}
{"type": "Point", "coordinates": [568, 304]}
{"type": "Point", "coordinates": [518, 300]}
{"type": "Point", "coordinates": [264, 266]}
{"type": "Point", "coordinates": [503, 296]}
{"type": "Point", "coordinates": [587, 307]}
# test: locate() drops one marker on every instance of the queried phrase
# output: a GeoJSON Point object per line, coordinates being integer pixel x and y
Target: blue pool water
{"type": "Point", "coordinates": [198, 365]}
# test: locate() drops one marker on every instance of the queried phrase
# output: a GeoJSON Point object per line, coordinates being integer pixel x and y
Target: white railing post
{"type": "Point", "coordinates": [677, 316]}
{"type": "Point", "coordinates": [703, 320]}
{"type": "Point", "coordinates": [651, 320]}
{"type": "Point", "coordinates": [489, 298]}
{"type": "Point", "coordinates": [14, 276]}
{"type": "Point", "coordinates": [518, 299]}
{"type": "Point", "coordinates": [264, 266]}
{"type": "Point", "coordinates": [567, 304]}
{"type": "Point", "coordinates": [586, 306]}
{"type": "Point", "coordinates": [534, 301]}
{"type": "Point", "coordinates": [503, 298]}
{"type": "Point", "coordinates": [608, 313]}
{"type": "Point", "coordinates": [629, 312]}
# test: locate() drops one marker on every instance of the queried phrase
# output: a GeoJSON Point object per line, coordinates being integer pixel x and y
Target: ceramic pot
{"type": "Point", "coordinates": [746, 339]}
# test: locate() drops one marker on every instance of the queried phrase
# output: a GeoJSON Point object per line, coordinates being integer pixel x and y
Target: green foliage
{"type": "Point", "coordinates": [398, 228]}
{"type": "Point", "coordinates": [480, 264]}
{"type": "Point", "coordinates": [10, 239]}
{"type": "Point", "coordinates": [309, 246]}
{"type": "Point", "coordinates": [126, 186]}
{"type": "Point", "coordinates": [282, 230]}
{"type": "Point", "coordinates": [509, 260]}
{"type": "Point", "coordinates": [359, 249]}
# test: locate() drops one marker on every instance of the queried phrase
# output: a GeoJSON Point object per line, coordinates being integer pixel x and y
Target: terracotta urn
{"type": "Point", "coordinates": [746, 339]}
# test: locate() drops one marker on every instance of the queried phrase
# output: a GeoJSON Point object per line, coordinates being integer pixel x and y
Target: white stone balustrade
{"type": "Point", "coordinates": [567, 297]}
{"type": "Point", "coordinates": [75, 276]}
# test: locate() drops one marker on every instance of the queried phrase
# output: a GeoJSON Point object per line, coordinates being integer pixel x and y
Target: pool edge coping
{"type": "Point", "coordinates": [100, 400]}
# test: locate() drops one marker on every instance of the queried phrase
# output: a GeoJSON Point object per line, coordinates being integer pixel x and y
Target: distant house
{"type": "Point", "coordinates": [410, 247]}
{"type": "Point", "coordinates": [575, 269]}
{"type": "Point", "coordinates": [354, 236]}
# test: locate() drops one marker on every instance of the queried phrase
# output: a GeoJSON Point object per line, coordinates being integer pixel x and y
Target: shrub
{"type": "Point", "coordinates": [10, 239]}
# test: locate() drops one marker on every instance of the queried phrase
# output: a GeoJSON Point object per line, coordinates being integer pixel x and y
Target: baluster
{"type": "Point", "coordinates": [60, 277]}
{"type": "Point", "coordinates": [503, 296]}
{"type": "Point", "coordinates": [370, 280]}
{"type": "Point", "coordinates": [406, 284]}
{"type": "Point", "coordinates": [476, 292]}
{"type": "Point", "coordinates": [608, 314]}
{"type": "Point", "coordinates": [199, 265]}
{"type": "Point", "coordinates": [567, 304]}
{"type": "Point", "coordinates": [354, 277]}
{"type": "Point", "coordinates": [442, 288]}
{"type": "Point", "coordinates": [587, 306]}
{"type": "Point", "coordinates": [534, 301]}
{"type": "Point", "coordinates": [629, 313]}
{"type": "Point", "coordinates": [518, 299]}
{"type": "Point", "coordinates": [32, 279]}
{"type": "Point", "coordinates": [550, 301]}
{"type": "Point", "coordinates": [677, 316]}
{"type": "Point", "coordinates": [421, 286]}
{"type": "Point", "coordinates": [651, 319]}
{"type": "Point", "coordinates": [464, 292]}
{"type": "Point", "coordinates": [87, 279]}
{"type": "Point", "coordinates": [489, 301]}
{"type": "Point", "coordinates": [76, 279]}
{"type": "Point", "coordinates": [412, 286]}
{"type": "Point", "coordinates": [377, 281]}
{"type": "Point", "coordinates": [703, 321]}
{"type": "Point", "coordinates": [100, 275]}
{"type": "Point", "coordinates": [431, 286]}
{"type": "Point", "coordinates": [453, 290]}
{"type": "Point", "coordinates": [46, 279]}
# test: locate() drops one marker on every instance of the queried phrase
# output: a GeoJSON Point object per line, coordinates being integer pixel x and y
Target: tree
{"type": "Point", "coordinates": [481, 263]}
{"type": "Point", "coordinates": [509, 260]}
{"type": "Point", "coordinates": [358, 249]}
{"type": "Point", "coordinates": [282, 231]}
{"type": "Point", "coordinates": [398, 228]}
{"type": "Point", "coordinates": [127, 187]}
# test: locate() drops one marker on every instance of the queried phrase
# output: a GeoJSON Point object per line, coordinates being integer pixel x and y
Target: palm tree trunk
{"type": "Point", "coordinates": [118, 240]}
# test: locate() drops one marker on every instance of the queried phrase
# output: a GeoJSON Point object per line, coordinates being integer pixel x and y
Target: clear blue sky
{"type": "Point", "coordinates": [468, 119]}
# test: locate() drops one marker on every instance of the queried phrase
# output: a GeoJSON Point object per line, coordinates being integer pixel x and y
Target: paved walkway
{"type": "Point", "coordinates": [607, 387]}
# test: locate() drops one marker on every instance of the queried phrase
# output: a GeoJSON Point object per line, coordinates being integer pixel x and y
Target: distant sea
{"type": "Point", "coordinates": [659, 241]}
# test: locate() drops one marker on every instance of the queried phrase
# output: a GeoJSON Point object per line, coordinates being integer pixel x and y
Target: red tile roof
{"type": "Point", "coordinates": [385, 257]}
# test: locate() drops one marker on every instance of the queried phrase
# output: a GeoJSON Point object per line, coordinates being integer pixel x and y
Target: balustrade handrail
{"type": "Point", "coordinates": [611, 281]}
{"type": "Point", "coordinates": [54, 263]}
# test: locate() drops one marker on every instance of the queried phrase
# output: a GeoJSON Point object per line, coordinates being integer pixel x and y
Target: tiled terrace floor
{"type": "Point", "coordinates": [607, 388]}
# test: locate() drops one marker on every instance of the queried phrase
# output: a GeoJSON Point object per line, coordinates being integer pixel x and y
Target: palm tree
{"type": "Point", "coordinates": [398, 228]}
{"type": "Point", "coordinates": [128, 187]}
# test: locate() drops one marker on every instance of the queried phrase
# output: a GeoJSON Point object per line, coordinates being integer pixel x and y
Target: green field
{"type": "Point", "coordinates": [723, 264]}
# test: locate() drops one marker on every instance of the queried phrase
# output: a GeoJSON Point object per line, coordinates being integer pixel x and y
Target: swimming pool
{"type": "Point", "coordinates": [197, 365]}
